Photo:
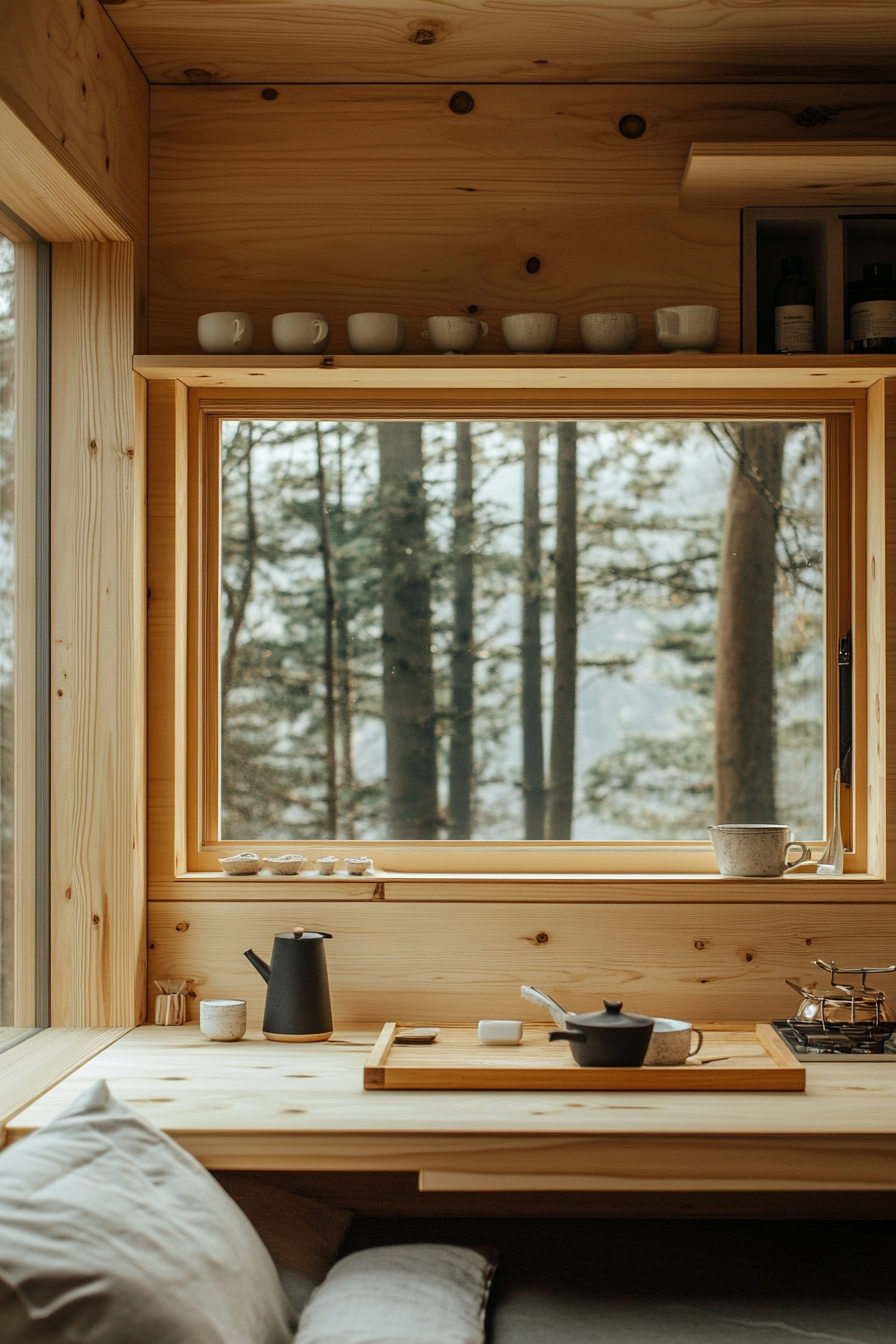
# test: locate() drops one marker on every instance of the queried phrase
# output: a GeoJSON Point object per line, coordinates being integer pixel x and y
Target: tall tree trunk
{"type": "Point", "coordinates": [744, 681]}
{"type": "Point", "coordinates": [460, 781]}
{"type": "Point", "coordinates": [408, 683]}
{"type": "Point", "coordinates": [237, 598]}
{"type": "Point", "coordinates": [530, 649]}
{"type": "Point", "coordinates": [346, 691]}
{"type": "Point", "coordinates": [326, 552]}
{"type": "Point", "coordinates": [566, 631]}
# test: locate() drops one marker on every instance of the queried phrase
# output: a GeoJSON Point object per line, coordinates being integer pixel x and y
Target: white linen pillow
{"type": "Point", "coordinates": [417, 1294]}
{"type": "Point", "coordinates": [110, 1233]}
{"type": "Point", "coordinates": [302, 1235]}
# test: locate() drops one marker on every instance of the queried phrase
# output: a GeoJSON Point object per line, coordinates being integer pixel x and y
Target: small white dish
{"type": "Point", "coordinates": [287, 865]}
{"type": "Point", "coordinates": [357, 867]}
{"type": "Point", "coordinates": [494, 1031]}
{"type": "Point", "coordinates": [325, 866]}
{"type": "Point", "coordinates": [246, 864]}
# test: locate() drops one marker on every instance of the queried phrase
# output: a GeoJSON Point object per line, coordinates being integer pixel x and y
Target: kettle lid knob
{"type": "Point", "coordinates": [298, 931]}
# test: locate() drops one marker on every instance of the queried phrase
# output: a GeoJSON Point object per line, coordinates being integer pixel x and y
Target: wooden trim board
{"type": "Point", "coordinates": [728, 174]}
{"type": "Point", "coordinates": [736, 1061]}
{"type": "Point", "coordinates": [30, 1069]}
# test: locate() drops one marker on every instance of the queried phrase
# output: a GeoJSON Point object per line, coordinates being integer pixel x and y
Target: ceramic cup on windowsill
{"type": "Point", "coordinates": [608, 333]}
{"type": "Point", "coordinates": [300, 333]}
{"type": "Point", "coordinates": [745, 850]}
{"type": "Point", "coordinates": [530, 333]}
{"type": "Point", "coordinates": [454, 335]}
{"type": "Point", "coordinates": [691, 329]}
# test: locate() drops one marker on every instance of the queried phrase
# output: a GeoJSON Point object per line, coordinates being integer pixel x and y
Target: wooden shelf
{"type": "Point", "coordinates": [735, 174]}
{"type": "Point", "coordinates": [559, 372]}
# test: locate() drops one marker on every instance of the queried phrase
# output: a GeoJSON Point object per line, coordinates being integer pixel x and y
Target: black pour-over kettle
{"type": "Point", "coordinates": [297, 1004]}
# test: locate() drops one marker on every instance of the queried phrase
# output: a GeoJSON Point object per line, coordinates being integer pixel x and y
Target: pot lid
{"type": "Point", "coordinates": [299, 934]}
{"type": "Point", "coordinates": [613, 1017]}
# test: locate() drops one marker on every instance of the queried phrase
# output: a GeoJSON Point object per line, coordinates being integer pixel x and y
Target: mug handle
{"type": "Point", "coordinates": [483, 328]}
{"type": "Point", "coordinates": [805, 853]}
{"type": "Point", "coordinates": [699, 1034]}
{"type": "Point", "coordinates": [322, 329]}
{"type": "Point", "coordinates": [425, 334]}
{"type": "Point", "coordinates": [239, 327]}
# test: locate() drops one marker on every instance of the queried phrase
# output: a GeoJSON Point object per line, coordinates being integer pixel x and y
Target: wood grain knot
{"type": "Point", "coordinates": [632, 126]}
{"type": "Point", "coordinates": [182, 926]}
{"type": "Point", "coordinates": [461, 102]}
{"type": "Point", "coordinates": [196, 76]}
{"type": "Point", "coordinates": [423, 37]}
{"type": "Point", "coordinates": [538, 940]}
{"type": "Point", "coordinates": [699, 944]}
{"type": "Point", "coordinates": [96, 919]}
{"type": "Point", "coordinates": [269, 95]}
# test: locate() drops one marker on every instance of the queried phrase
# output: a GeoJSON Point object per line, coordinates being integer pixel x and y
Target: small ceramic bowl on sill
{"type": "Point", "coordinates": [357, 867]}
{"type": "Point", "coordinates": [287, 865]}
{"type": "Point", "coordinates": [246, 864]}
{"type": "Point", "coordinates": [326, 866]}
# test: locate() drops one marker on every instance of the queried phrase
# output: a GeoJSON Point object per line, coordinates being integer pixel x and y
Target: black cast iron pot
{"type": "Point", "coordinates": [610, 1040]}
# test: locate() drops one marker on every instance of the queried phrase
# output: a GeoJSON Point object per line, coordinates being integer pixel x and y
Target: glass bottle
{"type": "Point", "coordinates": [872, 315]}
{"type": "Point", "coordinates": [794, 310]}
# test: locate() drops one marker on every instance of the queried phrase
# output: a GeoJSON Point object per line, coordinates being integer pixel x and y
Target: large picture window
{"type": "Point", "coordinates": [519, 631]}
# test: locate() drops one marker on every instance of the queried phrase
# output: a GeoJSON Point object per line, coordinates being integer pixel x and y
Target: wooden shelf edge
{"type": "Point", "coordinates": [731, 174]}
{"type": "Point", "coordinates": [563, 372]}
{"type": "Point", "coordinates": [30, 1069]}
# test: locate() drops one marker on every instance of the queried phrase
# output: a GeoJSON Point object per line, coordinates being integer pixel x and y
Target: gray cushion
{"type": "Point", "coordinates": [110, 1232]}
{"type": "Point", "coordinates": [421, 1294]}
{"type": "Point", "coordinates": [303, 1235]}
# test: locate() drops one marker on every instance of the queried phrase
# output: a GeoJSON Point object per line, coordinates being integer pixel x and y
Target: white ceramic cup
{"type": "Point", "coordinates": [225, 333]}
{"type": "Point", "coordinates": [690, 329]}
{"type": "Point", "coordinates": [530, 333]}
{"type": "Point", "coordinates": [222, 1019]}
{"type": "Point", "coordinates": [454, 335]}
{"type": "Point", "coordinates": [743, 850]}
{"type": "Point", "coordinates": [608, 333]}
{"type": "Point", "coordinates": [301, 333]}
{"type": "Point", "coordinates": [376, 333]}
{"type": "Point", "coordinates": [670, 1041]}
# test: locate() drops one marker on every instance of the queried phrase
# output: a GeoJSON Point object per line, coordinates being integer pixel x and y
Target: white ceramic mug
{"type": "Point", "coordinates": [222, 1019]}
{"type": "Point", "coordinates": [376, 333]}
{"type": "Point", "coordinates": [454, 335]}
{"type": "Point", "coordinates": [743, 850]}
{"type": "Point", "coordinates": [225, 333]}
{"type": "Point", "coordinates": [530, 333]}
{"type": "Point", "coordinates": [670, 1041]}
{"type": "Point", "coordinates": [608, 333]}
{"type": "Point", "coordinates": [301, 333]}
{"type": "Point", "coordinates": [691, 329]}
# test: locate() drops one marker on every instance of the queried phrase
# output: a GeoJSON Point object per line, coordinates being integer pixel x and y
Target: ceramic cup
{"type": "Point", "coordinates": [222, 1019]}
{"type": "Point", "coordinates": [225, 333]}
{"type": "Point", "coordinates": [691, 329]}
{"type": "Point", "coordinates": [754, 851]}
{"type": "Point", "coordinates": [671, 1042]}
{"type": "Point", "coordinates": [530, 333]}
{"type": "Point", "coordinates": [376, 333]}
{"type": "Point", "coordinates": [357, 867]}
{"type": "Point", "coordinates": [301, 333]}
{"type": "Point", "coordinates": [608, 333]}
{"type": "Point", "coordinates": [327, 865]}
{"type": "Point", "coordinates": [454, 335]}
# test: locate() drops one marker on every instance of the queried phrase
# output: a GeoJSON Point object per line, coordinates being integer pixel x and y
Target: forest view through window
{"type": "Point", "coordinates": [520, 631]}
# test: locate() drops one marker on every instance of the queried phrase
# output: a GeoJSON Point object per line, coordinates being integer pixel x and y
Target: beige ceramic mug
{"type": "Point", "coordinates": [222, 1019]}
{"type": "Point", "coordinates": [530, 333]}
{"type": "Point", "coordinates": [454, 335]}
{"type": "Point", "coordinates": [376, 333]}
{"type": "Point", "coordinates": [225, 333]}
{"type": "Point", "coordinates": [691, 329]}
{"type": "Point", "coordinates": [671, 1041]}
{"type": "Point", "coordinates": [608, 333]}
{"type": "Point", "coordinates": [743, 850]}
{"type": "Point", "coordinates": [300, 333]}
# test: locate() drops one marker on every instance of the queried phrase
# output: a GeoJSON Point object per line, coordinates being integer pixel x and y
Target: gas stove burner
{"type": "Point", "coordinates": [868, 1041]}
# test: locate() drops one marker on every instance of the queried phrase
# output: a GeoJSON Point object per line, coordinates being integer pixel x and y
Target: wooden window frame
{"type": "Point", "coordinates": [183, 846]}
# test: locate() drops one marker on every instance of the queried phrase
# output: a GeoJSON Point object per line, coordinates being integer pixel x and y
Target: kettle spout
{"type": "Point", "coordinates": [261, 967]}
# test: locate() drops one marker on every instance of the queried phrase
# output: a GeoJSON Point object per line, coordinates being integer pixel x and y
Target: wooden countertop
{"type": "Point", "coordinates": [271, 1105]}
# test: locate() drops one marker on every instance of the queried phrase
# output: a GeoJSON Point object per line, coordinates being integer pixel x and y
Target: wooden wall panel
{"type": "Point", "coordinates": [516, 40]}
{"type": "Point", "coordinates": [380, 198]}
{"type": "Point", "coordinates": [97, 618]}
{"type": "Point", "coordinates": [444, 962]}
{"type": "Point", "coordinates": [881, 631]}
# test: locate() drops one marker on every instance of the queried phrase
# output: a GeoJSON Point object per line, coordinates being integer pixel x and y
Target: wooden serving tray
{"type": "Point", "coordinates": [731, 1061]}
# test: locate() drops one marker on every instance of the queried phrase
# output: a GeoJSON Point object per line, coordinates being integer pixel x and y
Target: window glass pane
{"type": "Point", "coordinates": [7, 619]}
{"type": "Point", "coordinates": [510, 631]}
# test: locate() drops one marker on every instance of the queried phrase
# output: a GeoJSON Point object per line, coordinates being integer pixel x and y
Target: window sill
{"type": "Point", "coordinates": [44, 1059]}
{"type": "Point", "coordinates": [383, 885]}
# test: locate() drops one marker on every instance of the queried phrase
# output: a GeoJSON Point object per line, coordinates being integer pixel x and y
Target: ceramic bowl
{"type": "Point", "coordinates": [325, 866]}
{"type": "Point", "coordinates": [608, 333]}
{"type": "Point", "coordinates": [357, 867]}
{"type": "Point", "coordinates": [246, 864]}
{"type": "Point", "coordinates": [287, 865]}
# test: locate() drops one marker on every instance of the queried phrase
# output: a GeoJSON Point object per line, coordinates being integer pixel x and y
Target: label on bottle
{"type": "Point", "coordinates": [877, 317]}
{"type": "Point", "coordinates": [794, 328]}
